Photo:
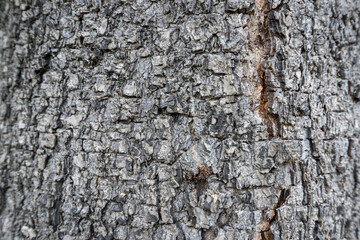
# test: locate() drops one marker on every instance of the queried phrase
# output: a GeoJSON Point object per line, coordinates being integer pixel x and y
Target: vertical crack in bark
{"type": "Point", "coordinates": [260, 44]}
{"type": "Point", "coordinates": [263, 229]}
{"type": "Point", "coordinates": [57, 205]}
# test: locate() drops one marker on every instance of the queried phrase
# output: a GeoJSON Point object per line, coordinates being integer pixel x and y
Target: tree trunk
{"type": "Point", "coordinates": [177, 119]}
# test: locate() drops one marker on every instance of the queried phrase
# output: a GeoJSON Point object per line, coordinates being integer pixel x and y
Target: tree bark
{"type": "Point", "coordinates": [176, 119]}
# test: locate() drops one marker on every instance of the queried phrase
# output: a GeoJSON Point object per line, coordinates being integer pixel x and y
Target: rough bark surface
{"type": "Point", "coordinates": [180, 119]}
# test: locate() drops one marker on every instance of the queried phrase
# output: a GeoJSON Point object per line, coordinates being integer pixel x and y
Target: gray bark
{"type": "Point", "coordinates": [176, 119]}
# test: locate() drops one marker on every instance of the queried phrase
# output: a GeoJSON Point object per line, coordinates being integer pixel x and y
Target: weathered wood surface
{"type": "Point", "coordinates": [206, 119]}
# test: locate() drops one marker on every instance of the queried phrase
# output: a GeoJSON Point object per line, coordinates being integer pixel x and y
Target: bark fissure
{"type": "Point", "coordinates": [264, 231]}
{"type": "Point", "coordinates": [261, 47]}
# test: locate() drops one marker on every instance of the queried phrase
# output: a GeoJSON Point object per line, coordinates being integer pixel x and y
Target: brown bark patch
{"type": "Point", "coordinates": [260, 46]}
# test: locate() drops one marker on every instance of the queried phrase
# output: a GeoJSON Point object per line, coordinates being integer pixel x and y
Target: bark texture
{"type": "Point", "coordinates": [180, 119]}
